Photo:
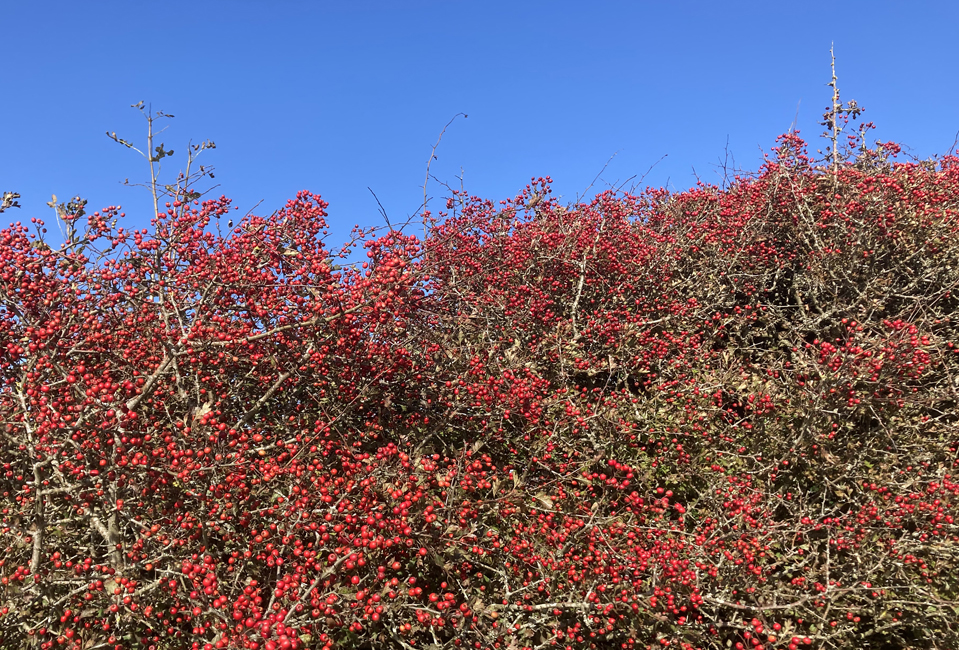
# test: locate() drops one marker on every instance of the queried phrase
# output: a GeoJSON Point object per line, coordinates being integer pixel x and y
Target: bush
{"type": "Point", "coordinates": [720, 418]}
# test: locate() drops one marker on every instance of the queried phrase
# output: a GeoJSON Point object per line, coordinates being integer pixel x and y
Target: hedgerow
{"type": "Point", "coordinates": [725, 417]}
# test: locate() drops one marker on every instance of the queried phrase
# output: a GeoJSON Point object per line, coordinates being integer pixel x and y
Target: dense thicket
{"type": "Point", "coordinates": [720, 418]}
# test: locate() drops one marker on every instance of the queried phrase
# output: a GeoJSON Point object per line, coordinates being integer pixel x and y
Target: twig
{"type": "Point", "coordinates": [590, 186]}
{"type": "Point", "coordinates": [382, 209]}
{"type": "Point", "coordinates": [430, 162]}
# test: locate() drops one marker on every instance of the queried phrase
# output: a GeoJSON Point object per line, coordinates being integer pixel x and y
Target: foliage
{"type": "Point", "coordinates": [720, 418]}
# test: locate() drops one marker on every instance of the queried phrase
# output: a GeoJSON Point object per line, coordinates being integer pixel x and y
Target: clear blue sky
{"type": "Point", "coordinates": [335, 97]}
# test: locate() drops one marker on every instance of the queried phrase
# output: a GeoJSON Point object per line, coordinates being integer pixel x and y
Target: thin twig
{"type": "Point", "coordinates": [430, 162]}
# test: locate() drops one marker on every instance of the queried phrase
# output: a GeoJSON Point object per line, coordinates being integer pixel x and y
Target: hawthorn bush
{"type": "Point", "coordinates": [724, 418]}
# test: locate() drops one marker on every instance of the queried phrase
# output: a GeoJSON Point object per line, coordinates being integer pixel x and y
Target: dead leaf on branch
{"type": "Point", "coordinates": [545, 500]}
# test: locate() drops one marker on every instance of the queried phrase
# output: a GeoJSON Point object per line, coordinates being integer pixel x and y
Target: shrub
{"type": "Point", "coordinates": [720, 418]}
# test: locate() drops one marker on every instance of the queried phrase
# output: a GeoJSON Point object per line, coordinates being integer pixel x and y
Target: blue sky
{"type": "Point", "coordinates": [340, 97]}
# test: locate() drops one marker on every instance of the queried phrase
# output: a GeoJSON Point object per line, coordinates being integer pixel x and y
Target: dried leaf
{"type": "Point", "coordinates": [545, 500]}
